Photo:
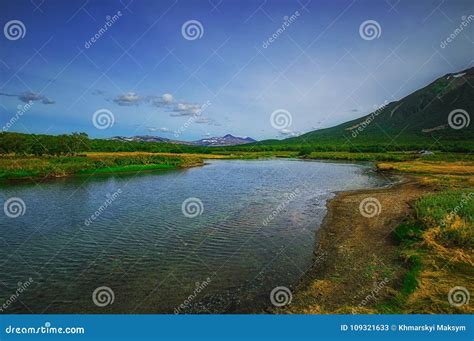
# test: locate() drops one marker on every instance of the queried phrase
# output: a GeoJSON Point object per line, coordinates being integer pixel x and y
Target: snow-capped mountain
{"type": "Point", "coordinates": [227, 140]}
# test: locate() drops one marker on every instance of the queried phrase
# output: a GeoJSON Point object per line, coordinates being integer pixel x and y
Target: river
{"type": "Point", "coordinates": [211, 239]}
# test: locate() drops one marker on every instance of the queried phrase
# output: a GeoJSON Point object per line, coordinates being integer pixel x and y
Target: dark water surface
{"type": "Point", "coordinates": [152, 256]}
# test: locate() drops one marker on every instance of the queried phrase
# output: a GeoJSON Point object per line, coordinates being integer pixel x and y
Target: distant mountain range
{"type": "Point", "coordinates": [227, 140]}
{"type": "Point", "coordinates": [435, 116]}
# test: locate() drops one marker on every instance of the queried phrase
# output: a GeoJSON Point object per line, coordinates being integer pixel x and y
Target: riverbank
{"type": "Point", "coordinates": [36, 168]}
{"type": "Point", "coordinates": [31, 168]}
{"type": "Point", "coordinates": [403, 254]}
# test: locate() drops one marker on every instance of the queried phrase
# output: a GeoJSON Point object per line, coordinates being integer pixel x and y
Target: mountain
{"type": "Point", "coordinates": [147, 138]}
{"type": "Point", "coordinates": [227, 140]}
{"type": "Point", "coordinates": [436, 116]}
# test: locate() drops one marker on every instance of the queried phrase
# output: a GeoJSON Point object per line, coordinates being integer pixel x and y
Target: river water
{"type": "Point", "coordinates": [212, 239]}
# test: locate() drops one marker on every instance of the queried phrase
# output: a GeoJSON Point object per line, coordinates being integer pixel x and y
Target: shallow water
{"type": "Point", "coordinates": [255, 232]}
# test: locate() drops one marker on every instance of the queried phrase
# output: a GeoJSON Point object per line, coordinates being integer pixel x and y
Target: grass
{"type": "Point", "coordinates": [437, 247]}
{"type": "Point", "coordinates": [430, 167]}
{"type": "Point", "coordinates": [30, 167]}
{"type": "Point", "coordinates": [347, 156]}
{"type": "Point", "coordinates": [120, 169]}
{"type": "Point", "coordinates": [395, 158]}
{"type": "Point", "coordinates": [13, 167]}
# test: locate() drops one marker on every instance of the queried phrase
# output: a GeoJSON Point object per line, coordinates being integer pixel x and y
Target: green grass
{"type": "Point", "coordinates": [361, 156]}
{"type": "Point", "coordinates": [18, 167]}
{"type": "Point", "coordinates": [444, 222]}
{"type": "Point", "coordinates": [384, 156]}
{"type": "Point", "coordinates": [131, 168]}
{"type": "Point", "coordinates": [433, 209]}
{"type": "Point", "coordinates": [453, 212]}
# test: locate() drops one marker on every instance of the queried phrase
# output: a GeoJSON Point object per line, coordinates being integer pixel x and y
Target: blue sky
{"type": "Point", "coordinates": [153, 80]}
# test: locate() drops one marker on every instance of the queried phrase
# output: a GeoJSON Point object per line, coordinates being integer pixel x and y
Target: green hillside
{"type": "Point", "coordinates": [417, 121]}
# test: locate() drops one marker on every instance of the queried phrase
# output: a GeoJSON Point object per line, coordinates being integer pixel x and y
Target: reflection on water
{"type": "Point", "coordinates": [128, 233]}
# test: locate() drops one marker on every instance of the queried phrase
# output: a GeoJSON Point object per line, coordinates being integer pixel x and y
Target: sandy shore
{"type": "Point", "coordinates": [356, 263]}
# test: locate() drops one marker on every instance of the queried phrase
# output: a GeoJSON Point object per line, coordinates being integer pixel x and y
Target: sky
{"type": "Point", "coordinates": [189, 69]}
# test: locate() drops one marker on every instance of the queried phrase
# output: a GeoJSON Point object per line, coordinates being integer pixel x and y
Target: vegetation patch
{"type": "Point", "coordinates": [437, 248]}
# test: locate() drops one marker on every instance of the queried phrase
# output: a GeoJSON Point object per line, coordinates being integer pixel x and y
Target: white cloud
{"type": "Point", "coordinates": [186, 109]}
{"type": "Point", "coordinates": [130, 98]}
{"type": "Point", "coordinates": [29, 96]}
{"type": "Point", "coordinates": [167, 98]}
{"type": "Point", "coordinates": [288, 132]}
{"type": "Point", "coordinates": [202, 120]}
{"type": "Point", "coordinates": [162, 130]}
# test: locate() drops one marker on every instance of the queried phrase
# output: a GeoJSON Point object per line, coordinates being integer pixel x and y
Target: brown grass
{"type": "Point", "coordinates": [430, 167]}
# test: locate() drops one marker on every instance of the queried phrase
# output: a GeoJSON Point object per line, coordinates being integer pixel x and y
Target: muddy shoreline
{"type": "Point", "coordinates": [355, 253]}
